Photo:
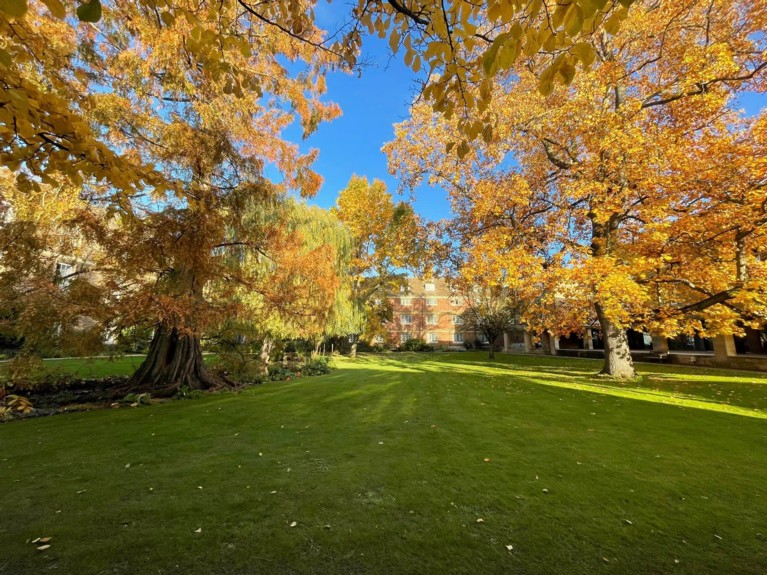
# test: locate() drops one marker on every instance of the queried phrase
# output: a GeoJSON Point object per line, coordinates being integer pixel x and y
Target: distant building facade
{"type": "Point", "coordinates": [428, 309]}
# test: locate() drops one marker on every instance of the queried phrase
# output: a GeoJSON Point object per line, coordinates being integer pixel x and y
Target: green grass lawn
{"type": "Point", "coordinates": [381, 465]}
{"type": "Point", "coordinates": [88, 367]}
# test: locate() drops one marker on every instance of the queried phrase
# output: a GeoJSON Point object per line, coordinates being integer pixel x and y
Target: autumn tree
{"type": "Point", "coordinates": [309, 258]}
{"type": "Point", "coordinates": [459, 46]}
{"type": "Point", "coordinates": [175, 147]}
{"type": "Point", "coordinates": [637, 193]}
{"type": "Point", "coordinates": [388, 239]}
{"type": "Point", "coordinates": [489, 311]}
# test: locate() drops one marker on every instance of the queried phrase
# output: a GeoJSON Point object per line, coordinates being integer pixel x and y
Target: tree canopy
{"type": "Point", "coordinates": [639, 190]}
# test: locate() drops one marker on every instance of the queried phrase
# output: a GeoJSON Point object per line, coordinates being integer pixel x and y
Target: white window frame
{"type": "Point", "coordinates": [431, 319]}
{"type": "Point", "coordinates": [406, 319]}
{"type": "Point", "coordinates": [457, 320]}
{"type": "Point", "coordinates": [433, 338]}
{"type": "Point", "coordinates": [379, 339]}
{"type": "Point", "coordinates": [431, 301]}
{"type": "Point", "coordinates": [457, 337]}
{"type": "Point", "coordinates": [406, 301]}
{"type": "Point", "coordinates": [405, 336]}
{"type": "Point", "coordinates": [62, 271]}
{"type": "Point", "coordinates": [429, 287]}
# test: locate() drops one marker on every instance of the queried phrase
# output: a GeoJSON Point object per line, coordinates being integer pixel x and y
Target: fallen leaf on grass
{"type": "Point", "coordinates": [480, 520]}
{"type": "Point", "coordinates": [294, 524]}
{"type": "Point", "coordinates": [510, 547]}
{"type": "Point", "coordinates": [43, 547]}
{"type": "Point", "coordinates": [486, 460]}
{"type": "Point", "coordinates": [198, 530]}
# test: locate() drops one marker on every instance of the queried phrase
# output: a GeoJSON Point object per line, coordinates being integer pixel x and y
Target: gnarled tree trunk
{"type": "Point", "coordinates": [618, 362]}
{"type": "Point", "coordinates": [174, 360]}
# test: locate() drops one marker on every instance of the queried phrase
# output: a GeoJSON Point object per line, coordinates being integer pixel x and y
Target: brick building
{"type": "Point", "coordinates": [428, 310]}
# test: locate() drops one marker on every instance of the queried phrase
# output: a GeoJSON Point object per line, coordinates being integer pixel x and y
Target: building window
{"type": "Point", "coordinates": [431, 319]}
{"type": "Point", "coordinates": [406, 318]}
{"type": "Point", "coordinates": [458, 337]}
{"type": "Point", "coordinates": [457, 320]}
{"type": "Point", "coordinates": [405, 336]}
{"type": "Point", "coordinates": [62, 272]}
{"type": "Point", "coordinates": [379, 339]}
{"type": "Point", "coordinates": [482, 338]}
{"type": "Point", "coordinates": [429, 287]}
{"type": "Point", "coordinates": [433, 338]}
{"type": "Point", "coordinates": [455, 301]}
{"type": "Point", "coordinates": [377, 302]}
{"type": "Point", "coordinates": [431, 301]}
{"type": "Point", "coordinates": [404, 301]}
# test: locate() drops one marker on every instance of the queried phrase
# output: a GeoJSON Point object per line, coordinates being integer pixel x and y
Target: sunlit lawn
{"type": "Point", "coordinates": [381, 465]}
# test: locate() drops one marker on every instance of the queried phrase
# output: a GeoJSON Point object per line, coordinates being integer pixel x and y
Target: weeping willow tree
{"type": "Point", "coordinates": [303, 290]}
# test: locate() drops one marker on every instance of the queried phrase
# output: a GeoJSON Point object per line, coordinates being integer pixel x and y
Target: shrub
{"type": "Point", "coordinates": [317, 366]}
{"type": "Point", "coordinates": [416, 344]}
{"type": "Point", "coordinates": [14, 406]}
{"type": "Point", "coordinates": [279, 373]}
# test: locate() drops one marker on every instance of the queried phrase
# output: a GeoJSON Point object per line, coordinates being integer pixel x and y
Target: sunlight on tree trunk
{"type": "Point", "coordinates": [265, 354]}
{"type": "Point", "coordinates": [618, 362]}
{"type": "Point", "coordinates": [175, 360]}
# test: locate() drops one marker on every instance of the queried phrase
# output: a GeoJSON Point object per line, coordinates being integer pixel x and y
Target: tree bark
{"type": "Point", "coordinates": [264, 355]}
{"type": "Point", "coordinates": [174, 360]}
{"type": "Point", "coordinates": [353, 351]}
{"type": "Point", "coordinates": [546, 343]}
{"type": "Point", "coordinates": [618, 362]}
{"type": "Point", "coordinates": [491, 337]}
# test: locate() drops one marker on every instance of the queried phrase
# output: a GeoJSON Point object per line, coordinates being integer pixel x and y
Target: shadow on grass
{"type": "Point", "coordinates": [741, 394]}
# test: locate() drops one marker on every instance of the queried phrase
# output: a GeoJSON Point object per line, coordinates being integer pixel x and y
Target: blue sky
{"type": "Point", "coordinates": [371, 104]}
{"type": "Point", "coordinates": [351, 144]}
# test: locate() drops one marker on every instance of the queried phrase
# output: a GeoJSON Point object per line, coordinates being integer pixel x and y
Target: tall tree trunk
{"type": "Point", "coordinates": [174, 360]}
{"type": "Point", "coordinates": [353, 351]}
{"type": "Point", "coordinates": [618, 362]}
{"type": "Point", "coordinates": [265, 354]}
{"type": "Point", "coordinates": [546, 343]}
{"type": "Point", "coordinates": [491, 353]}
